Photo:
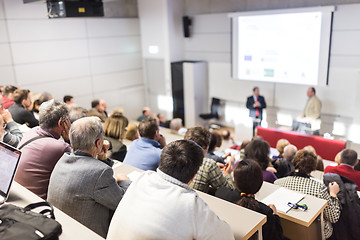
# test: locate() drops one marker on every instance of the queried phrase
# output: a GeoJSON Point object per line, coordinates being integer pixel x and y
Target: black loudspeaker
{"type": "Point", "coordinates": [186, 26]}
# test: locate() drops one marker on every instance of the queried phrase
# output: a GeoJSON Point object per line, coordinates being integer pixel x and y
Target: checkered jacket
{"type": "Point", "coordinates": [317, 189]}
{"type": "Point", "coordinates": [209, 174]}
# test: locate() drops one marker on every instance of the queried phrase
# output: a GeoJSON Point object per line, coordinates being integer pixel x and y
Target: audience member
{"type": "Point", "coordinates": [18, 109]}
{"type": "Point", "coordinates": [146, 112]}
{"type": "Point", "coordinates": [337, 157]}
{"type": "Point", "coordinates": [68, 99]}
{"type": "Point", "coordinates": [41, 147]}
{"type": "Point", "coordinates": [280, 145]}
{"type": "Point", "coordinates": [259, 150]}
{"type": "Point", "coordinates": [97, 110]}
{"type": "Point", "coordinates": [114, 130]}
{"type": "Point", "coordinates": [305, 163]}
{"type": "Point", "coordinates": [210, 153]}
{"type": "Point", "coordinates": [161, 205]}
{"type": "Point", "coordinates": [209, 173]}
{"type": "Point", "coordinates": [348, 160]}
{"type": "Point", "coordinates": [103, 103]}
{"type": "Point", "coordinates": [83, 186]}
{"type": "Point", "coordinates": [227, 139]}
{"type": "Point", "coordinates": [319, 162]}
{"type": "Point", "coordinates": [162, 121]}
{"type": "Point", "coordinates": [8, 96]}
{"type": "Point", "coordinates": [12, 134]}
{"type": "Point", "coordinates": [177, 126]}
{"type": "Point", "coordinates": [132, 132]}
{"type": "Point", "coordinates": [35, 108]}
{"type": "Point", "coordinates": [144, 153]}
{"type": "Point", "coordinates": [44, 97]}
{"type": "Point", "coordinates": [248, 181]}
{"type": "Point", "coordinates": [284, 167]}
{"type": "Point", "coordinates": [76, 112]}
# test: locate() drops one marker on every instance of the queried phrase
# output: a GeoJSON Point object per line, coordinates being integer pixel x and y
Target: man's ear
{"type": "Point", "coordinates": [97, 143]}
{"type": "Point", "coordinates": [60, 123]}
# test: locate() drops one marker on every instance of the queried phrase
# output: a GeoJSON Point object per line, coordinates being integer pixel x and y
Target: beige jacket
{"type": "Point", "coordinates": [312, 108]}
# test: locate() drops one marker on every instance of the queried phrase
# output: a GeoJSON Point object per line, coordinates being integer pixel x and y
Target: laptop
{"type": "Point", "coordinates": [9, 161]}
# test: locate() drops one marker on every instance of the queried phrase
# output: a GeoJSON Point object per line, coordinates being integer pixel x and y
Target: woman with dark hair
{"type": "Point", "coordinates": [248, 179]}
{"type": "Point", "coordinates": [259, 150]}
{"type": "Point", "coordinates": [305, 162]}
{"type": "Point", "coordinates": [114, 131]}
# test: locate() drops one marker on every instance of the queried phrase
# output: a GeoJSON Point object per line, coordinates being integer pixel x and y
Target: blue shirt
{"type": "Point", "coordinates": [144, 154]}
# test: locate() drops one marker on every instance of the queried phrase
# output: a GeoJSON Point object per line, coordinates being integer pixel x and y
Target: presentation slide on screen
{"type": "Point", "coordinates": [279, 47]}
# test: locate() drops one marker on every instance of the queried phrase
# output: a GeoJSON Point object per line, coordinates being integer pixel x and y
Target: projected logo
{"type": "Point", "coordinates": [269, 72]}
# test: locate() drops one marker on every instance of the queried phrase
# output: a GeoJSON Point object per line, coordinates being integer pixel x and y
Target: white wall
{"type": "Point", "coordinates": [210, 41]}
{"type": "Point", "coordinates": [85, 57]}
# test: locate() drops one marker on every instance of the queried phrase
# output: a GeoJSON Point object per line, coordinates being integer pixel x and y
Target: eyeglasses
{"type": "Point", "coordinates": [303, 207]}
{"type": "Point", "coordinates": [4, 125]}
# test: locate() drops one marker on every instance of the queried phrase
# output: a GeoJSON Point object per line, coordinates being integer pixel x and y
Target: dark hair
{"type": "Point", "coordinates": [200, 135]}
{"type": "Point", "coordinates": [44, 97]}
{"type": "Point", "coordinates": [219, 138]}
{"type": "Point", "coordinates": [305, 161]}
{"type": "Point", "coordinates": [227, 135]}
{"type": "Point", "coordinates": [20, 95]}
{"type": "Point", "coordinates": [213, 142]}
{"type": "Point", "coordinates": [67, 98]}
{"type": "Point", "coordinates": [115, 125]}
{"type": "Point", "coordinates": [349, 156]}
{"type": "Point", "coordinates": [313, 89]}
{"type": "Point", "coordinates": [95, 103]}
{"type": "Point", "coordinates": [248, 178]}
{"type": "Point", "coordinates": [258, 150]}
{"type": "Point", "coordinates": [255, 88]}
{"type": "Point", "coordinates": [148, 128]}
{"type": "Point", "coordinates": [144, 111]}
{"type": "Point", "coordinates": [181, 159]}
{"type": "Point", "coordinates": [9, 89]}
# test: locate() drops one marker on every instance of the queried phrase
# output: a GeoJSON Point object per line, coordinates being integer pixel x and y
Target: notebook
{"type": "Point", "coordinates": [9, 160]}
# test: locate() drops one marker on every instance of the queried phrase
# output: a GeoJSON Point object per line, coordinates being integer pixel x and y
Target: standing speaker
{"type": "Point", "coordinates": [186, 26]}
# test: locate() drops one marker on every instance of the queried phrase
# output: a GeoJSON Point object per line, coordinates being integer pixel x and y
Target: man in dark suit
{"type": "Point", "coordinates": [256, 103]}
{"type": "Point", "coordinates": [348, 159]}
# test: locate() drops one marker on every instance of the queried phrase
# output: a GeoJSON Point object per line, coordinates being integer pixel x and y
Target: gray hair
{"type": "Point", "coordinates": [84, 132]}
{"type": "Point", "coordinates": [176, 124]}
{"type": "Point", "coordinates": [76, 113]}
{"type": "Point", "coordinates": [289, 152]}
{"type": "Point", "coordinates": [51, 112]}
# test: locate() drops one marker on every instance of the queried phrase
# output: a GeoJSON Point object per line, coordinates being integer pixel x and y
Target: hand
{"type": "Point", "coordinates": [119, 177]}
{"type": "Point", "coordinates": [104, 149]}
{"type": "Point", "coordinates": [334, 189]}
{"type": "Point", "coordinates": [161, 139]}
{"type": "Point", "coordinates": [6, 116]}
{"type": "Point", "coordinates": [226, 155]}
{"type": "Point", "coordinates": [257, 104]}
{"type": "Point", "coordinates": [65, 131]}
{"type": "Point", "coordinates": [272, 206]}
{"type": "Point", "coordinates": [228, 168]}
{"type": "Point", "coordinates": [271, 169]}
{"type": "Point", "coordinates": [221, 166]}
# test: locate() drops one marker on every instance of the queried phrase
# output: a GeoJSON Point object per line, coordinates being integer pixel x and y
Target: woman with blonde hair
{"type": "Point", "coordinates": [114, 131]}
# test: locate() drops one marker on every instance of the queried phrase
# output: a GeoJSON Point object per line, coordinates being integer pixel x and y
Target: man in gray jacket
{"type": "Point", "coordinates": [82, 185]}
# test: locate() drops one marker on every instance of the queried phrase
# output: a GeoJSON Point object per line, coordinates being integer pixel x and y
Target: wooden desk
{"type": "Point", "coordinates": [71, 228]}
{"type": "Point", "coordinates": [298, 224]}
{"type": "Point", "coordinates": [244, 222]}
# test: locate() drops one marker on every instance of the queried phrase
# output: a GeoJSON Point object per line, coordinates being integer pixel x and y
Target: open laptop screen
{"type": "Point", "coordinates": [9, 159]}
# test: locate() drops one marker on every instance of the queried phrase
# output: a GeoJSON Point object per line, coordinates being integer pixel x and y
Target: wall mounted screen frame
{"type": "Point", "coordinates": [285, 46]}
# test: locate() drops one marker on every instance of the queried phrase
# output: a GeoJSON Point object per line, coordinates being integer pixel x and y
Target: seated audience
{"type": "Point", "coordinates": [8, 96]}
{"type": "Point", "coordinates": [161, 205]}
{"type": "Point", "coordinates": [209, 173]}
{"type": "Point", "coordinates": [144, 153]}
{"type": "Point", "coordinates": [248, 181]}
{"type": "Point", "coordinates": [132, 132]}
{"type": "Point", "coordinates": [280, 145]}
{"type": "Point", "coordinates": [12, 134]}
{"type": "Point", "coordinates": [210, 153]}
{"type": "Point", "coordinates": [284, 167]}
{"type": "Point", "coordinates": [103, 103]}
{"type": "Point", "coordinates": [76, 112]}
{"type": "Point", "coordinates": [162, 121]}
{"type": "Point", "coordinates": [337, 157]}
{"type": "Point", "coordinates": [348, 160]}
{"type": "Point", "coordinates": [41, 147]}
{"type": "Point", "coordinates": [146, 112]}
{"type": "Point", "coordinates": [19, 110]}
{"type": "Point", "coordinates": [44, 97]}
{"type": "Point", "coordinates": [305, 163]}
{"type": "Point", "coordinates": [259, 150]}
{"type": "Point", "coordinates": [97, 110]}
{"type": "Point", "coordinates": [177, 126]}
{"type": "Point", "coordinates": [35, 108]}
{"type": "Point", "coordinates": [83, 186]}
{"type": "Point", "coordinates": [319, 162]}
{"type": "Point", "coordinates": [68, 99]}
{"type": "Point", "coordinates": [228, 140]}
{"type": "Point", "coordinates": [114, 131]}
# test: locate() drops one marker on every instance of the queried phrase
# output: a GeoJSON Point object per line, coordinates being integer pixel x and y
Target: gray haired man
{"type": "Point", "coordinates": [82, 185]}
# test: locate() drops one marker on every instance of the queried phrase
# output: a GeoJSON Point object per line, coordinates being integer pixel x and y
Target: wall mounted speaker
{"type": "Point", "coordinates": [186, 26]}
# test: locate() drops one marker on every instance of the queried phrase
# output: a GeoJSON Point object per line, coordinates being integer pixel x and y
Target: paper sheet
{"type": "Point", "coordinates": [281, 197]}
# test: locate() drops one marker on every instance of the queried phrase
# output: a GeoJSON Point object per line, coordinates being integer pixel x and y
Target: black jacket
{"type": "Point", "coordinates": [348, 225]}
